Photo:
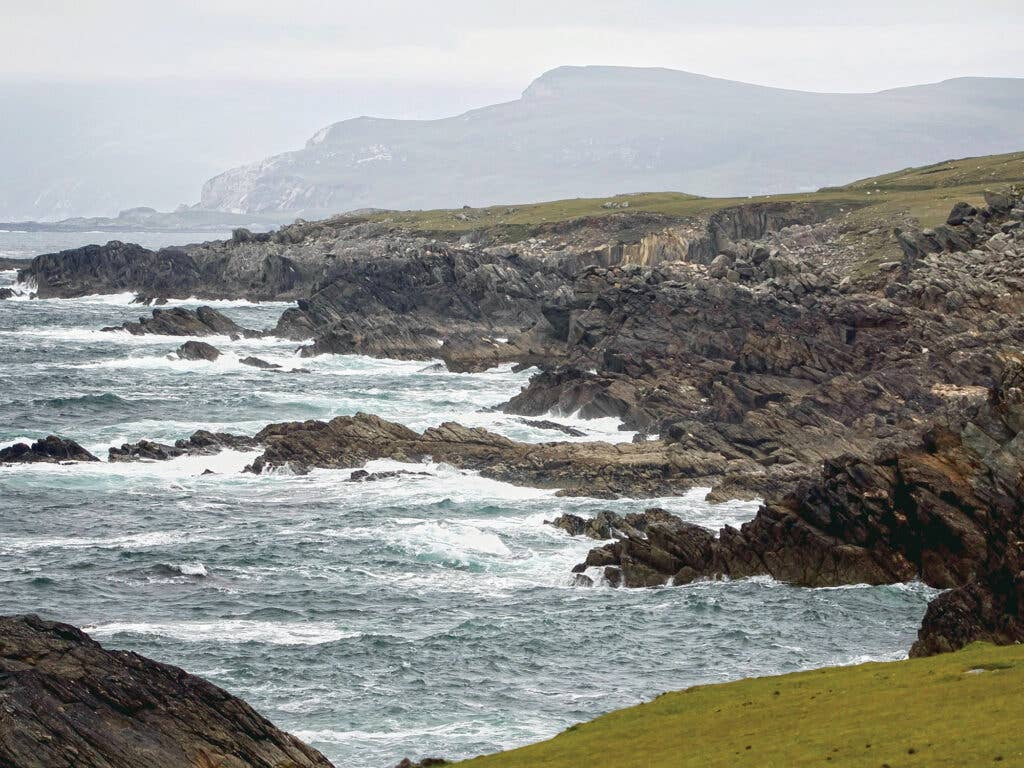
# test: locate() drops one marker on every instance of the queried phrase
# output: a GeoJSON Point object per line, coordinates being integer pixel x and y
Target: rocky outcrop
{"type": "Point", "coordinates": [989, 608]}
{"type": "Point", "coordinates": [583, 469]}
{"type": "Point", "coordinates": [769, 357]}
{"type": "Point", "coordinates": [251, 269]}
{"type": "Point", "coordinates": [51, 450]}
{"type": "Point", "coordinates": [178, 321]}
{"type": "Point", "coordinates": [201, 443]}
{"type": "Point", "coordinates": [69, 703]}
{"type": "Point", "coordinates": [198, 350]}
{"type": "Point", "coordinates": [948, 510]}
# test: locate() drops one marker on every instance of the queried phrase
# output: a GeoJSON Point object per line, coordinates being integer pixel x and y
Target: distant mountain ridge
{"type": "Point", "coordinates": [594, 131]}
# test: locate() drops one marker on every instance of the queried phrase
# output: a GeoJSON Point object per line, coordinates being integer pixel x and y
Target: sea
{"type": "Point", "coordinates": [426, 615]}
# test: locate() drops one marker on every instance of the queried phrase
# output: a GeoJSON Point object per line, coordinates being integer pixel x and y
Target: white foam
{"type": "Point", "coordinates": [454, 539]}
{"type": "Point", "coordinates": [229, 631]}
{"type": "Point", "coordinates": [149, 540]}
{"type": "Point", "coordinates": [191, 569]}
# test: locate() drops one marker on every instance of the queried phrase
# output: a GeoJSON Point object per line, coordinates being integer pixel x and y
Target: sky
{"type": "Point", "coordinates": [487, 51]}
{"type": "Point", "coordinates": [110, 103]}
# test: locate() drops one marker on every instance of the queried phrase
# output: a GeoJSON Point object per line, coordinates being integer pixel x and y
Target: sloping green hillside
{"type": "Point", "coordinates": [958, 710]}
{"type": "Point", "coordinates": [925, 193]}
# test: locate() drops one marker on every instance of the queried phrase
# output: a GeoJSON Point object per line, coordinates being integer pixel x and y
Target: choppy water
{"type": "Point", "coordinates": [426, 615]}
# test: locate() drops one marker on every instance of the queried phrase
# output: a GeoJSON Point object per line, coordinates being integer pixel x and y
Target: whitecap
{"type": "Point", "coordinates": [228, 631]}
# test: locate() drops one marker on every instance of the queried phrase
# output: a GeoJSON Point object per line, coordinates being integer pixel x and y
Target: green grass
{"type": "Point", "coordinates": [957, 710]}
{"type": "Point", "coordinates": [925, 194]}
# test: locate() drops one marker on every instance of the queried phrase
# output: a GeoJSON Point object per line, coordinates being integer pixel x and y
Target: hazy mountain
{"type": "Point", "coordinates": [93, 149]}
{"type": "Point", "coordinates": [590, 131]}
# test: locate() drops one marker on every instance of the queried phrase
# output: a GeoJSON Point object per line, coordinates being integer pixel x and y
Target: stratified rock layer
{"type": "Point", "coordinates": [66, 702]}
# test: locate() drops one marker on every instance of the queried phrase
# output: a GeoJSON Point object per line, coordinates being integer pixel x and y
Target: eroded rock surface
{"type": "Point", "coordinates": [178, 321]}
{"type": "Point", "coordinates": [66, 702]}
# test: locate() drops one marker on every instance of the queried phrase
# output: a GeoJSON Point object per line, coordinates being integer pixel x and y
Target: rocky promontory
{"type": "Point", "coordinates": [67, 702]}
{"type": "Point", "coordinates": [179, 321]}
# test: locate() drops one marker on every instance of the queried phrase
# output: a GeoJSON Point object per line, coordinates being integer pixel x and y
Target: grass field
{"type": "Point", "coordinates": [925, 193]}
{"type": "Point", "coordinates": [958, 710]}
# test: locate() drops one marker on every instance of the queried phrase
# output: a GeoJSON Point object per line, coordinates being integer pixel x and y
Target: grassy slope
{"type": "Point", "coordinates": [925, 193]}
{"type": "Point", "coordinates": [933, 713]}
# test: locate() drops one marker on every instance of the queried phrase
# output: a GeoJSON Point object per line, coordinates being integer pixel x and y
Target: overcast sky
{"type": "Point", "coordinates": [474, 52]}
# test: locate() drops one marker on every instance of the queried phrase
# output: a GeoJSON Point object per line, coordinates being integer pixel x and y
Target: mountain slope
{"type": "Point", "coordinates": [587, 131]}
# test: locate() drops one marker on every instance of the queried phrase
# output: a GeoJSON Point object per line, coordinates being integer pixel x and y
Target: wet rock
{"type": "Point", "coordinates": [7, 293]}
{"type": "Point", "coordinates": [145, 450]}
{"type": "Point", "coordinates": [69, 703]}
{"type": "Point", "coordinates": [256, 362]}
{"type": "Point", "coordinates": [178, 321]}
{"type": "Point", "coordinates": [52, 450]}
{"type": "Point", "coordinates": [553, 425]}
{"type": "Point", "coordinates": [426, 762]}
{"type": "Point", "coordinates": [363, 476]}
{"type": "Point", "coordinates": [198, 350]}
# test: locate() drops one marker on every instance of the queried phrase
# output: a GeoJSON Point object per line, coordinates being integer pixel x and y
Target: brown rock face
{"type": "Point", "coordinates": [586, 469]}
{"type": "Point", "coordinates": [65, 702]}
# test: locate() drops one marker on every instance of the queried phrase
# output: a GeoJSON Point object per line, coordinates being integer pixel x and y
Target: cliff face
{"type": "Point", "coordinates": [592, 131]}
{"type": "Point", "coordinates": [65, 702]}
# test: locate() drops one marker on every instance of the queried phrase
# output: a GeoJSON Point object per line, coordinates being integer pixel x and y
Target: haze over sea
{"type": "Point", "coordinates": [416, 615]}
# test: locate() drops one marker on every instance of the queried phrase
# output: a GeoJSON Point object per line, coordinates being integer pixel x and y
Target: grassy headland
{"type": "Point", "coordinates": [958, 710]}
{"type": "Point", "coordinates": [925, 194]}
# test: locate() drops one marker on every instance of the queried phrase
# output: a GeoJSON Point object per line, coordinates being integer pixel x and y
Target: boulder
{"type": "Point", "coordinates": [256, 362]}
{"type": "Point", "coordinates": [69, 703]}
{"type": "Point", "coordinates": [198, 350]}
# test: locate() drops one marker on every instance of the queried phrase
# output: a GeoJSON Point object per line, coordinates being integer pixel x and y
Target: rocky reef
{"type": "Point", "coordinates": [69, 703]}
{"type": "Point", "coordinates": [178, 321]}
{"type": "Point", "coordinates": [51, 450]}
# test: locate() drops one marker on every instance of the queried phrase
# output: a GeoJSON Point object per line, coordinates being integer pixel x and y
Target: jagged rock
{"type": "Point", "coordinates": [69, 703]}
{"type": "Point", "coordinates": [201, 443]}
{"type": "Point", "coordinates": [989, 608]}
{"type": "Point", "coordinates": [7, 293]}
{"type": "Point", "coordinates": [584, 469]}
{"type": "Point", "coordinates": [145, 450]}
{"type": "Point", "coordinates": [178, 321]}
{"type": "Point", "coordinates": [947, 510]}
{"type": "Point", "coordinates": [553, 425]}
{"type": "Point", "coordinates": [52, 449]}
{"type": "Point", "coordinates": [256, 362]}
{"type": "Point", "coordinates": [362, 476]}
{"type": "Point", "coordinates": [426, 762]}
{"type": "Point", "coordinates": [198, 350]}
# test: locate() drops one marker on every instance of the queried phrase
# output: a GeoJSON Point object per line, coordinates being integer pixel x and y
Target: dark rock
{"type": "Point", "coordinates": [178, 321]}
{"type": "Point", "coordinates": [426, 762]}
{"type": "Point", "coordinates": [362, 476]}
{"type": "Point", "coordinates": [553, 425]}
{"type": "Point", "coordinates": [69, 703]}
{"type": "Point", "coordinates": [7, 293]}
{"type": "Point", "coordinates": [256, 362]}
{"type": "Point", "coordinates": [960, 213]}
{"type": "Point", "coordinates": [201, 443]}
{"type": "Point", "coordinates": [198, 350]}
{"type": "Point", "coordinates": [988, 608]}
{"type": "Point", "coordinates": [50, 449]}
{"type": "Point", "coordinates": [144, 450]}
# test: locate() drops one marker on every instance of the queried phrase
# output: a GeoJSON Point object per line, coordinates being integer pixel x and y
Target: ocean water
{"type": "Point", "coordinates": [428, 615]}
{"type": "Point", "coordinates": [24, 245]}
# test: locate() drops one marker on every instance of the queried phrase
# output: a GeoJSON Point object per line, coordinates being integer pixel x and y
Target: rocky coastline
{"type": "Point", "coordinates": [764, 351]}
